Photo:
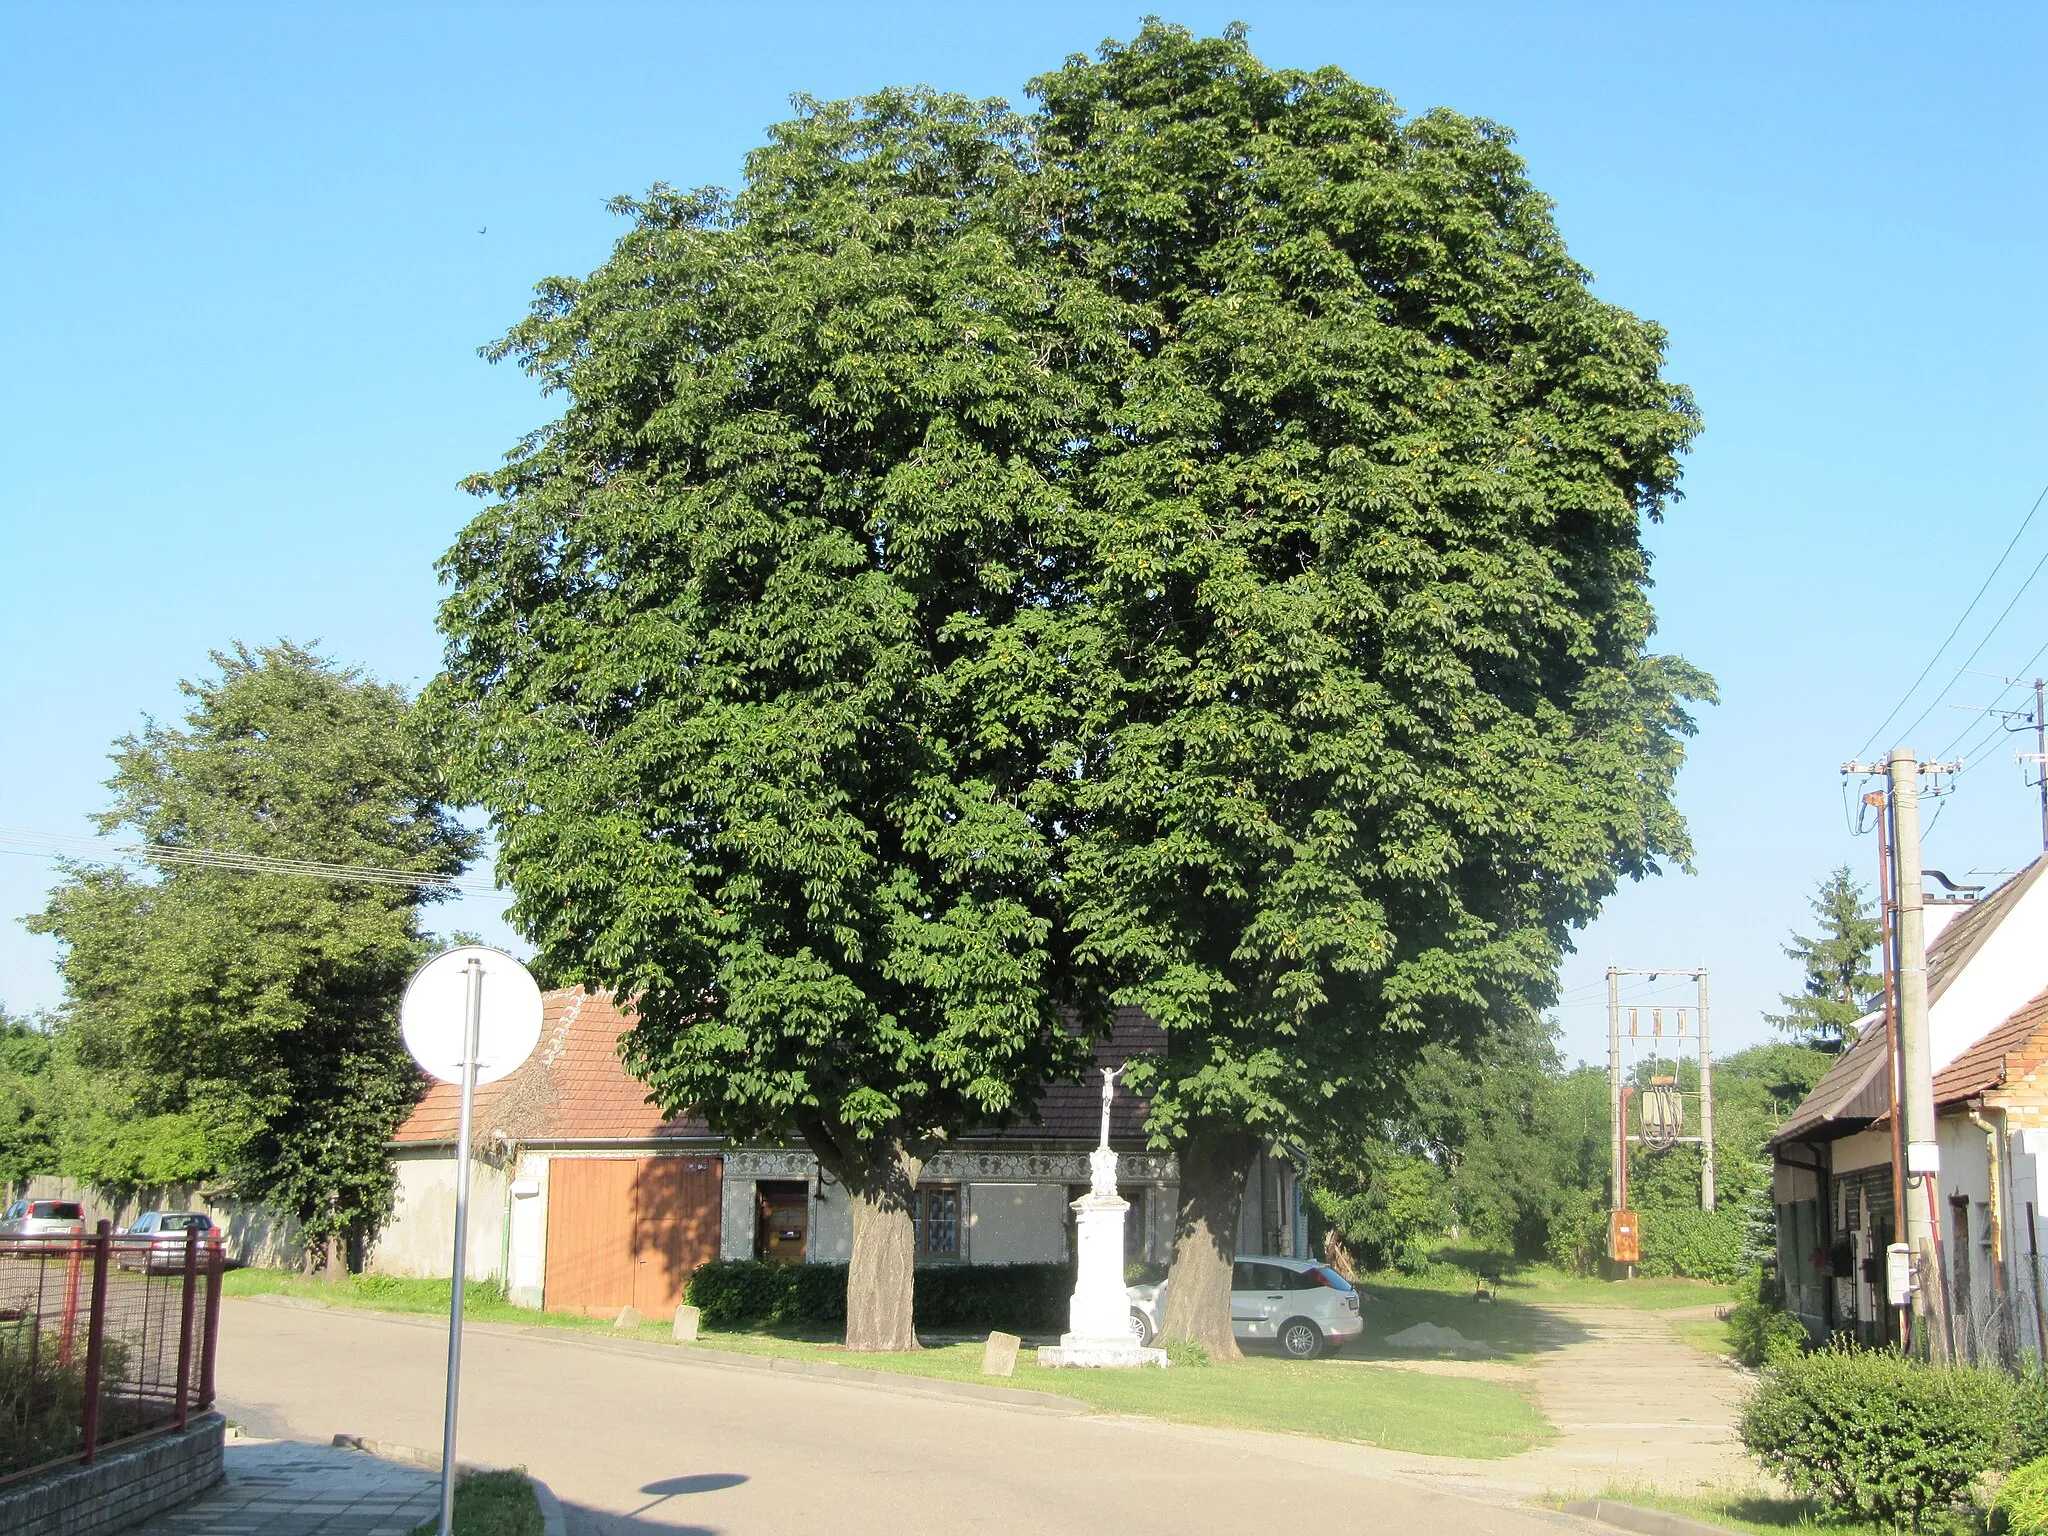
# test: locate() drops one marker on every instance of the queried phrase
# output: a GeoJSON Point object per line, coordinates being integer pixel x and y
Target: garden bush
{"type": "Point", "coordinates": [2022, 1504]}
{"type": "Point", "coordinates": [1023, 1298]}
{"type": "Point", "coordinates": [1683, 1240]}
{"type": "Point", "coordinates": [1762, 1331]}
{"type": "Point", "coordinates": [1874, 1435]}
{"type": "Point", "coordinates": [2027, 1420]}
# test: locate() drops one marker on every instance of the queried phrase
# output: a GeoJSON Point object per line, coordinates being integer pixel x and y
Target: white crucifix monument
{"type": "Point", "coordinates": [1099, 1316]}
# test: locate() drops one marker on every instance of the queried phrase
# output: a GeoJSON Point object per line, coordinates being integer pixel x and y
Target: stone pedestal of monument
{"type": "Point", "coordinates": [1099, 1316]}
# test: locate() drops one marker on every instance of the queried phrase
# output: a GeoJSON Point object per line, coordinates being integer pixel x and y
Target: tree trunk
{"type": "Point", "coordinates": [1213, 1167]}
{"type": "Point", "coordinates": [880, 1178]}
{"type": "Point", "coordinates": [334, 1261]}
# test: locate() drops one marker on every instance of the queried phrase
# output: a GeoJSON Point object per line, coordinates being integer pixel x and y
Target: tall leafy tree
{"type": "Point", "coordinates": [244, 1026]}
{"type": "Point", "coordinates": [1839, 983]}
{"type": "Point", "coordinates": [762, 655]}
{"type": "Point", "coordinates": [1377, 722]}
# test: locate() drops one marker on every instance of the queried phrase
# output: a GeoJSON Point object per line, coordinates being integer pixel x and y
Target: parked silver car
{"type": "Point", "coordinates": [1307, 1308]}
{"type": "Point", "coordinates": [60, 1219]}
{"type": "Point", "coordinates": [166, 1231]}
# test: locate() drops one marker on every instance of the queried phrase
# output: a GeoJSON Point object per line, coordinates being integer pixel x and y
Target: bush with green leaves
{"type": "Point", "coordinates": [1021, 1297]}
{"type": "Point", "coordinates": [1762, 1331]}
{"type": "Point", "coordinates": [1874, 1435]}
{"type": "Point", "coordinates": [2021, 1508]}
{"type": "Point", "coordinates": [2027, 1420]}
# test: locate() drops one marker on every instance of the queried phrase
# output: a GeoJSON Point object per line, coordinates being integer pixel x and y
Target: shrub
{"type": "Point", "coordinates": [1874, 1435]}
{"type": "Point", "coordinates": [1578, 1232]}
{"type": "Point", "coordinates": [1683, 1240]}
{"type": "Point", "coordinates": [1762, 1331]}
{"type": "Point", "coordinates": [2027, 1421]}
{"type": "Point", "coordinates": [2022, 1504]}
{"type": "Point", "coordinates": [1187, 1354]}
{"type": "Point", "coordinates": [1023, 1298]}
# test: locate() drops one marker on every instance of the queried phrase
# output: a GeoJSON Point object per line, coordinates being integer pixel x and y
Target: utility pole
{"type": "Point", "coordinates": [1923, 1152]}
{"type": "Point", "coordinates": [1617, 1128]}
{"type": "Point", "coordinates": [1706, 1103]}
{"type": "Point", "coordinates": [2041, 758]}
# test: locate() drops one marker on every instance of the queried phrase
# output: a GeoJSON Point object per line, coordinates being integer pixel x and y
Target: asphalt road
{"type": "Point", "coordinates": [632, 1443]}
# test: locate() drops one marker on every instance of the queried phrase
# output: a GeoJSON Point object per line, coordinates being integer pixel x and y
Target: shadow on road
{"type": "Point", "coordinates": [593, 1522]}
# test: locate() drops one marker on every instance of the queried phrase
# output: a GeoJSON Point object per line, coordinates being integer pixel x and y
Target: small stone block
{"type": "Point", "coordinates": [687, 1321]}
{"type": "Point", "coordinates": [629, 1317]}
{"type": "Point", "coordinates": [999, 1355]}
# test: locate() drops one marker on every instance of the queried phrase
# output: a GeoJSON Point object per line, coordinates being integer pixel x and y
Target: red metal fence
{"type": "Point", "coordinates": [103, 1339]}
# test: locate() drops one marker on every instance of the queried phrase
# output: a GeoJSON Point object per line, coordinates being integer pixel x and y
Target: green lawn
{"type": "Point", "coordinates": [490, 1504]}
{"type": "Point", "coordinates": [1767, 1515]}
{"type": "Point", "coordinates": [1400, 1410]}
{"type": "Point", "coordinates": [1709, 1337]}
{"type": "Point", "coordinates": [1514, 1323]}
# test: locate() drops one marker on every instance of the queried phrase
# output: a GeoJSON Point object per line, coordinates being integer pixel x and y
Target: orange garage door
{"type": "Point", "coordinates": [628, 1231]}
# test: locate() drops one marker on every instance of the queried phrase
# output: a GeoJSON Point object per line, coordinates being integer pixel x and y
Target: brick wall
{"type": "Point", "coordinates": [122, 1488]}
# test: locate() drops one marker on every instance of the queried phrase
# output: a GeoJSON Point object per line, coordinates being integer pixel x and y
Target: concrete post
{"type": "Point", "coordinates": [1923, 1151]}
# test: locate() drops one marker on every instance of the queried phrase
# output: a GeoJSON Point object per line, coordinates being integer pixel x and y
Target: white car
{"type": "Point", "coordinates": [1307, 1308]}
{"type": "Point", "coordinates": [166, 1233]}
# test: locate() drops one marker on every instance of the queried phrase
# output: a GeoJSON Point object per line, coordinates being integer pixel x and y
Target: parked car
{"type": "Point", "coordinates": [42, 1219]}
{"type": "Point", "coordinates": [1307, 1308]}
{"type": "Point", "coordinates": [167, 1230]}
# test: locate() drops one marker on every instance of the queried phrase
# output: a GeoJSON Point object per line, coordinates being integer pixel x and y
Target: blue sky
{"type": "Point", "coordinates": [250, 252]}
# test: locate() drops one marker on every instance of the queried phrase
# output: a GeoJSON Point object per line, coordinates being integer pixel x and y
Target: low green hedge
{"type": "Point", "coordinates": [2022, 1504]}
{"type": "Point", "coordinates": [1876, 1436]}
{"type": "Point", "coordinates": [1022, 1298]}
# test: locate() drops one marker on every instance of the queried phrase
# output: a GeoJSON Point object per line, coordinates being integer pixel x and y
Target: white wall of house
{"type": "Point", "coordinates": [2004, 975]}
{"type": "Point", "coordinates": [527, 1249]}
{"type": "Point", "coordinates": [419, 1239]}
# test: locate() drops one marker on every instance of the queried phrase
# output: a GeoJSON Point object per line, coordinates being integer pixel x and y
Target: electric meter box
{"type": "Point", "coordinates": [1624, 1244]}
{"type": "Point", "coordinates": [1898, 1275]}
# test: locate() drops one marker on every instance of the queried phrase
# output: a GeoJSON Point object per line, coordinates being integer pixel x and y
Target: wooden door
{"type": "Point", "coordinates": [590, 1221]}
{"type": "Point", "coordinates": [675, 1228]}
{"type": "Point", "coordinates": [628, 1231]}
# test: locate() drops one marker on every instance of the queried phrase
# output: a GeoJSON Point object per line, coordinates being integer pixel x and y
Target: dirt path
{"type": "Point", "coordinates": [1633, 1404]}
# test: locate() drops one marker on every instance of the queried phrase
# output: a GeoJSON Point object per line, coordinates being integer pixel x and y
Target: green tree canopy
{"type": "Point", "coordinates": [759, 658]}
{"type": "Point", "coordinates": [244, 1026]}
{"type": "Point", "coordinates": [1184, 545]}
{"type": "Point", "coordinates": [1378, 722]}
{"type": "Point", "coordinates": [1839, 985]}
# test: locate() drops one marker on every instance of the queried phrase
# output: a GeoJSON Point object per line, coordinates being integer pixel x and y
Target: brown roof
{"type": "Point", "coordinates": [572, 1088]}
{"type": "Point", "coordinates": [2017, 1046]}
{"type": "Point", "coordinates": [1962, 938]}
{"type": "Point", "coordinates": [1849, 1095]}
{"type": "Point", "coordinates": [575, 1088]}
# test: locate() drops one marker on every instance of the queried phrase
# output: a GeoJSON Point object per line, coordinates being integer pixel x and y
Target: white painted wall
{"type": "Point", "coordinates": [526, 1278]}
{"type": "Point", "coordinates": [419, 1239]}
{"type": "Point", "coordinates": [1017, 1223]}
{"type": "Point", "coordinates": [2008, 972]}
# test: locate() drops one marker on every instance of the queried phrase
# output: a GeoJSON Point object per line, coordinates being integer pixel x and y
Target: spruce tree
{"type": "Point", "coordinates": [1839, 984]}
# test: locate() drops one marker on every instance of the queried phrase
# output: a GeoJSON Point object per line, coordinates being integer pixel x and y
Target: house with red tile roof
{"type": "Point", "coordinates": [1987, 988]}
{"type": "Point", "coordinates": [586, 1197]}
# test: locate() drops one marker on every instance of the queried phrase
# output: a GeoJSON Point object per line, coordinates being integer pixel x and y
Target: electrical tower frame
{"type": "Point", "coordinates": [1625, 1050]}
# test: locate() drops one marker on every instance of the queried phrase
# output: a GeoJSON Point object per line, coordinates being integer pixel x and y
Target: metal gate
{"type": "Point", "coordinates": [628, 1231]}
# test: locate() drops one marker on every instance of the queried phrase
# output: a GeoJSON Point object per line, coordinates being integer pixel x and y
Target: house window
{"type": "Point", "coordinates": [935, 1211]}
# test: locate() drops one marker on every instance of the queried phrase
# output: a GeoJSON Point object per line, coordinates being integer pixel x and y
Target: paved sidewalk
{"type": "Point", "coordinates": [286, 1488]}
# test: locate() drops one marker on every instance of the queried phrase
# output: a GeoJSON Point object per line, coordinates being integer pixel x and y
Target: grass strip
{"type": "Point", "coordinates": [1396, 1410]}
{"type": "Point", "coordinates": [1767, 1514]}
{"type": "Point", "coordinates": [491, 1504]}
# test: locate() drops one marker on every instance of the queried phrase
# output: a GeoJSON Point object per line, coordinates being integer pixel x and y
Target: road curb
{"type": "Point", "coordinates": [697, 1354]}
{"type": "Point", "coordinates": [552, 1522]}
{"type": "Point", "coordinates": [1650, 1522]}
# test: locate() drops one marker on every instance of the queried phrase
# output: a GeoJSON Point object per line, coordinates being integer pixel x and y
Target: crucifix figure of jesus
{"type": "Point", "coordinates": [1108, 1092]}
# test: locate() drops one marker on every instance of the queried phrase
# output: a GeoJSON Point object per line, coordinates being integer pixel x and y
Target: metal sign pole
{"type": "Point", "coordinates": [473, 999]}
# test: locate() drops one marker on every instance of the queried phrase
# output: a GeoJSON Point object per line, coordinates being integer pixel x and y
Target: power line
{"type": "Point", "coordinates": [2025, 523]}
{"type": "Point", "coordinates": [56, 845]}
{"type": "Point", "coordinates": [1995, 624]}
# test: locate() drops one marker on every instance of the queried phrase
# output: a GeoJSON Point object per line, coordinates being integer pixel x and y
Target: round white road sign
{"type": "Point", "coordinates": [435, 1013]}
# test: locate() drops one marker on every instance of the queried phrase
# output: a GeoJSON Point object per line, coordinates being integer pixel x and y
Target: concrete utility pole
{"type": "Point", "coordinates": [1916, 1089]}
{"type": "Point", "coordinates": [1617, 1127]}
{"type": "Point", "coordinates": [2041, 757]}
{"type": "Point", "coordinates": [1706, 1102]}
